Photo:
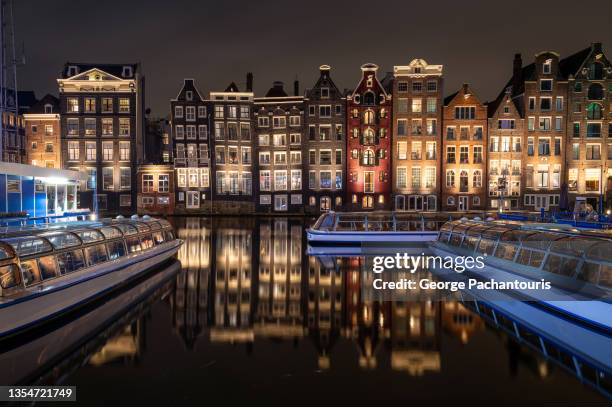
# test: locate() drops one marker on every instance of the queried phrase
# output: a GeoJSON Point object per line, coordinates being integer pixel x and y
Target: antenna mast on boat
{"type": "Point", "coordinates": [9, 102]}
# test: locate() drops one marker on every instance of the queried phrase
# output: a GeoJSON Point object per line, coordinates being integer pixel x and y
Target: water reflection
{"type": "Point", "coordinates": [246, 284]}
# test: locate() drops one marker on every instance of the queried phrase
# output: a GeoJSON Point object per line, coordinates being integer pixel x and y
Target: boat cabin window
{"type": "Point", "coordinates": [164, 223]}
{"type": "Point", "coordinates": [605, 276]}
{"type": "Point", "coordinates": [455, 239]}
{"type": "Point", "coordinates": [69, 262]}
{"type": "Point", "coordinates": [133, 244]}
{"type": "Point", "coordinates": [505, 251]}
{"type": "Point", "coordinates": [62, 240]}
{"type": "Point", "coordinates": [486, 246]}
{"type": "Point", "coordinates": [116, 249]}
{"type": "Point", "coordinates": [90, 236]}
{"type": "Point", "coordinates": [110, 232]}
{"type": "Point", "coordinates": [146, 242]}
{"type": "Point", "coordinates": [95, 254]}
{"type": "Point", "coordinates": [126, 228]}
{"type": "Point", "coordinates": [47, 267]}
{"type": "Point", "coordinates": [31, 274]}
{"type": "Point", "coordinates": [589, 272]}
{"type": "Point", "coordinates": [158, 237]}
{"type": "Point", "coordinates": [327, 223]}
{"type": "Point", "coordinates": [169, 235]}
{"type": "Point", "coordinates": [347, 222]}
{"type": "Point", "coordinates": [531, 258]}
{"type": "Point", "coordinates": [9, 276]}
{"type": "Point", "coordinates": [562, 265]}
{"type": "Point", "coordinates": [29, 245]}
{"type": "Point", "coordinates": [5, 254]}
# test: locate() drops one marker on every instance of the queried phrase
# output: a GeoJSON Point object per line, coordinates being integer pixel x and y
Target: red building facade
{"type": "Point", "coordinates": [369, 109]}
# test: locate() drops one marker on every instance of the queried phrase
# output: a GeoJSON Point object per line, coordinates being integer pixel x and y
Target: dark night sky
{"type": "Point", "coordinates": [218, 42]}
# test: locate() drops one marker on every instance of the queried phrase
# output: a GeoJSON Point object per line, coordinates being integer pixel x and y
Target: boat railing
{"type": "Point", "coordinates": [28, 260]}
{"type": "Point", "coordinates": [377, 222]}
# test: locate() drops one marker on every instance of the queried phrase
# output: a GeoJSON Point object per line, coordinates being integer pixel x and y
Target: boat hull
{"type": "Point", "coordinates": [63, 295]}
{"type": "Point", "coordinates": [320, 238]}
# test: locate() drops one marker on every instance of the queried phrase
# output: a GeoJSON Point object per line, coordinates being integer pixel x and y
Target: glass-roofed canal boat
{"type": "Point", "coordinates": [578, 265]}
{"type": "Point", "coordinates": [49, 270]}
{"type": "Point", "coordinates": [339, 232]}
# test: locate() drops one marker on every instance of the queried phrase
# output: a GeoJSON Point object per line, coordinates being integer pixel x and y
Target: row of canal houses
{"type": "Point", "coordinates": [396, 142]}
{"type": "Point", "coordinates": [399, 140]}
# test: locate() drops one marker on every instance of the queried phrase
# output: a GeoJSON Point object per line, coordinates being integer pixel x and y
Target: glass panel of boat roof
{"type": "Point", "coordinates": [28, 245]}
{"type": "Point", "coordinates": [447, 227]}
{"type": "Point", "coordinates": [142, 227]}
{"type": "Point", "coordinates": [514, 235]}
{"type": "Point", "coordinates": [164, 223]}
{"type": "Point", "coordinates": [540, 240]}
{"type": "Point", "coordinates": [154, 225]}
{"type": "Point", "coordinates": [494, 232]}
{"type": "Point", "coordinates": [462, 227]}
{"type": "Point", "coordinates": [61, 240]}
{"type": "Point", "coordinates": [600, 250]}
{"type": "Point", "coordinates": [90, 235]}
{"type": "Point", "coordinates": [126, 228]}
{"type": "Point", "coordinates": [477, 229]}
{"type": "Point", "coordinates": [5, 253]}
{"type": "Point", "coordinates": [110, 232]}
{"type": "Point", "coordinates": [571, 246]}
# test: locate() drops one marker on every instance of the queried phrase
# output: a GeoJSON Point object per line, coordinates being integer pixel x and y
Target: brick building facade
{"type": "Point", "coordinates": [465, 157]}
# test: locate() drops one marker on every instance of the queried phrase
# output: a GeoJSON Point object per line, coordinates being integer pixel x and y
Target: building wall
{"type": "Point", "coordinates": [191, 151]}
{"type": "Point", "coordinates": [369, 156]}
{"type": "Point", "coordinates": [274, 196]}
{"type": "Point", "coordinates": [461, 133]}
{"type": "Point", "coordinates": [87, 130]}
{"type": "Point", "coordinates": [325, 158]}
{"type": "Point", "coordinates": [155, 189]}
{"type": "Point", "coordinates": [416, 136]}
{"type": "Point", "coordinates": [233, 146]}
{"type": "Point", "coordinates": [543, 165]}
{"type": "Point", "coordinates": [43, 143]}
{"type": "Point", "coordinates": [505, 151]}
{"type": "Point", "coordinates": [589, 130]}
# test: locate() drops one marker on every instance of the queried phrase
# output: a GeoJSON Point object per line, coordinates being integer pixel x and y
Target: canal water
{"type": "Point", "coordinates": [247, 317]}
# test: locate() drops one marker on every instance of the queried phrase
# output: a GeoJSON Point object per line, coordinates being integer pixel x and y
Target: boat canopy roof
{"type": "Point", "coordinates": [378, 221]}
{"type": "Point", "coordinates": [29, 241]}
{"type": "Point", "coordinates": [566, 252]}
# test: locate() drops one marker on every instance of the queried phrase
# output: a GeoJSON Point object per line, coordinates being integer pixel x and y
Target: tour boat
{"type": "Point", "coordinates": [47, 271]}
{"type": "Point", "coordinates": [358, 229]}
{"type": "Point", "coordinates": [578, 265]}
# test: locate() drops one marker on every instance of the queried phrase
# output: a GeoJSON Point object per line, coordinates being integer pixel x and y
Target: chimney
{"type": "Point", "coordinates": [296, 88]}
{"type": "Point", "coordinates": [249, 83]}
{"type": "Point", "coordinates": [517, 71]}
{"type": "Point", "coordinates": [596, 47]}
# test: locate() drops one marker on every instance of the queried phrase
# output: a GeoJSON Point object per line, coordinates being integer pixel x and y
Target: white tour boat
{"type": "Point", "coordinates": [46, 272]}
{"type": "Point", "coordinates": [577, 265]}
{"type": "Point", "coordinates": [338, 230]}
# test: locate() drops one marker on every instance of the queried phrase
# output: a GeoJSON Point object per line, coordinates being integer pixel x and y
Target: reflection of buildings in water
{"type": "Point", "coordinates": [279, 298]}
{"type": "Point", "coordinates": [124, 348]}
{"type": "Point", "coordinates": [324, 310]}
{"type": "Point", "coordinates": [415, 336]}
{"type": "Point", "coordinates": [367, 320]}
{"type": "Point", "coordinates": [233, 283]}
{"type": "Point", "coordinates": [459, 321]}
{"type": "Point", "coordinates": [190, 298]}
